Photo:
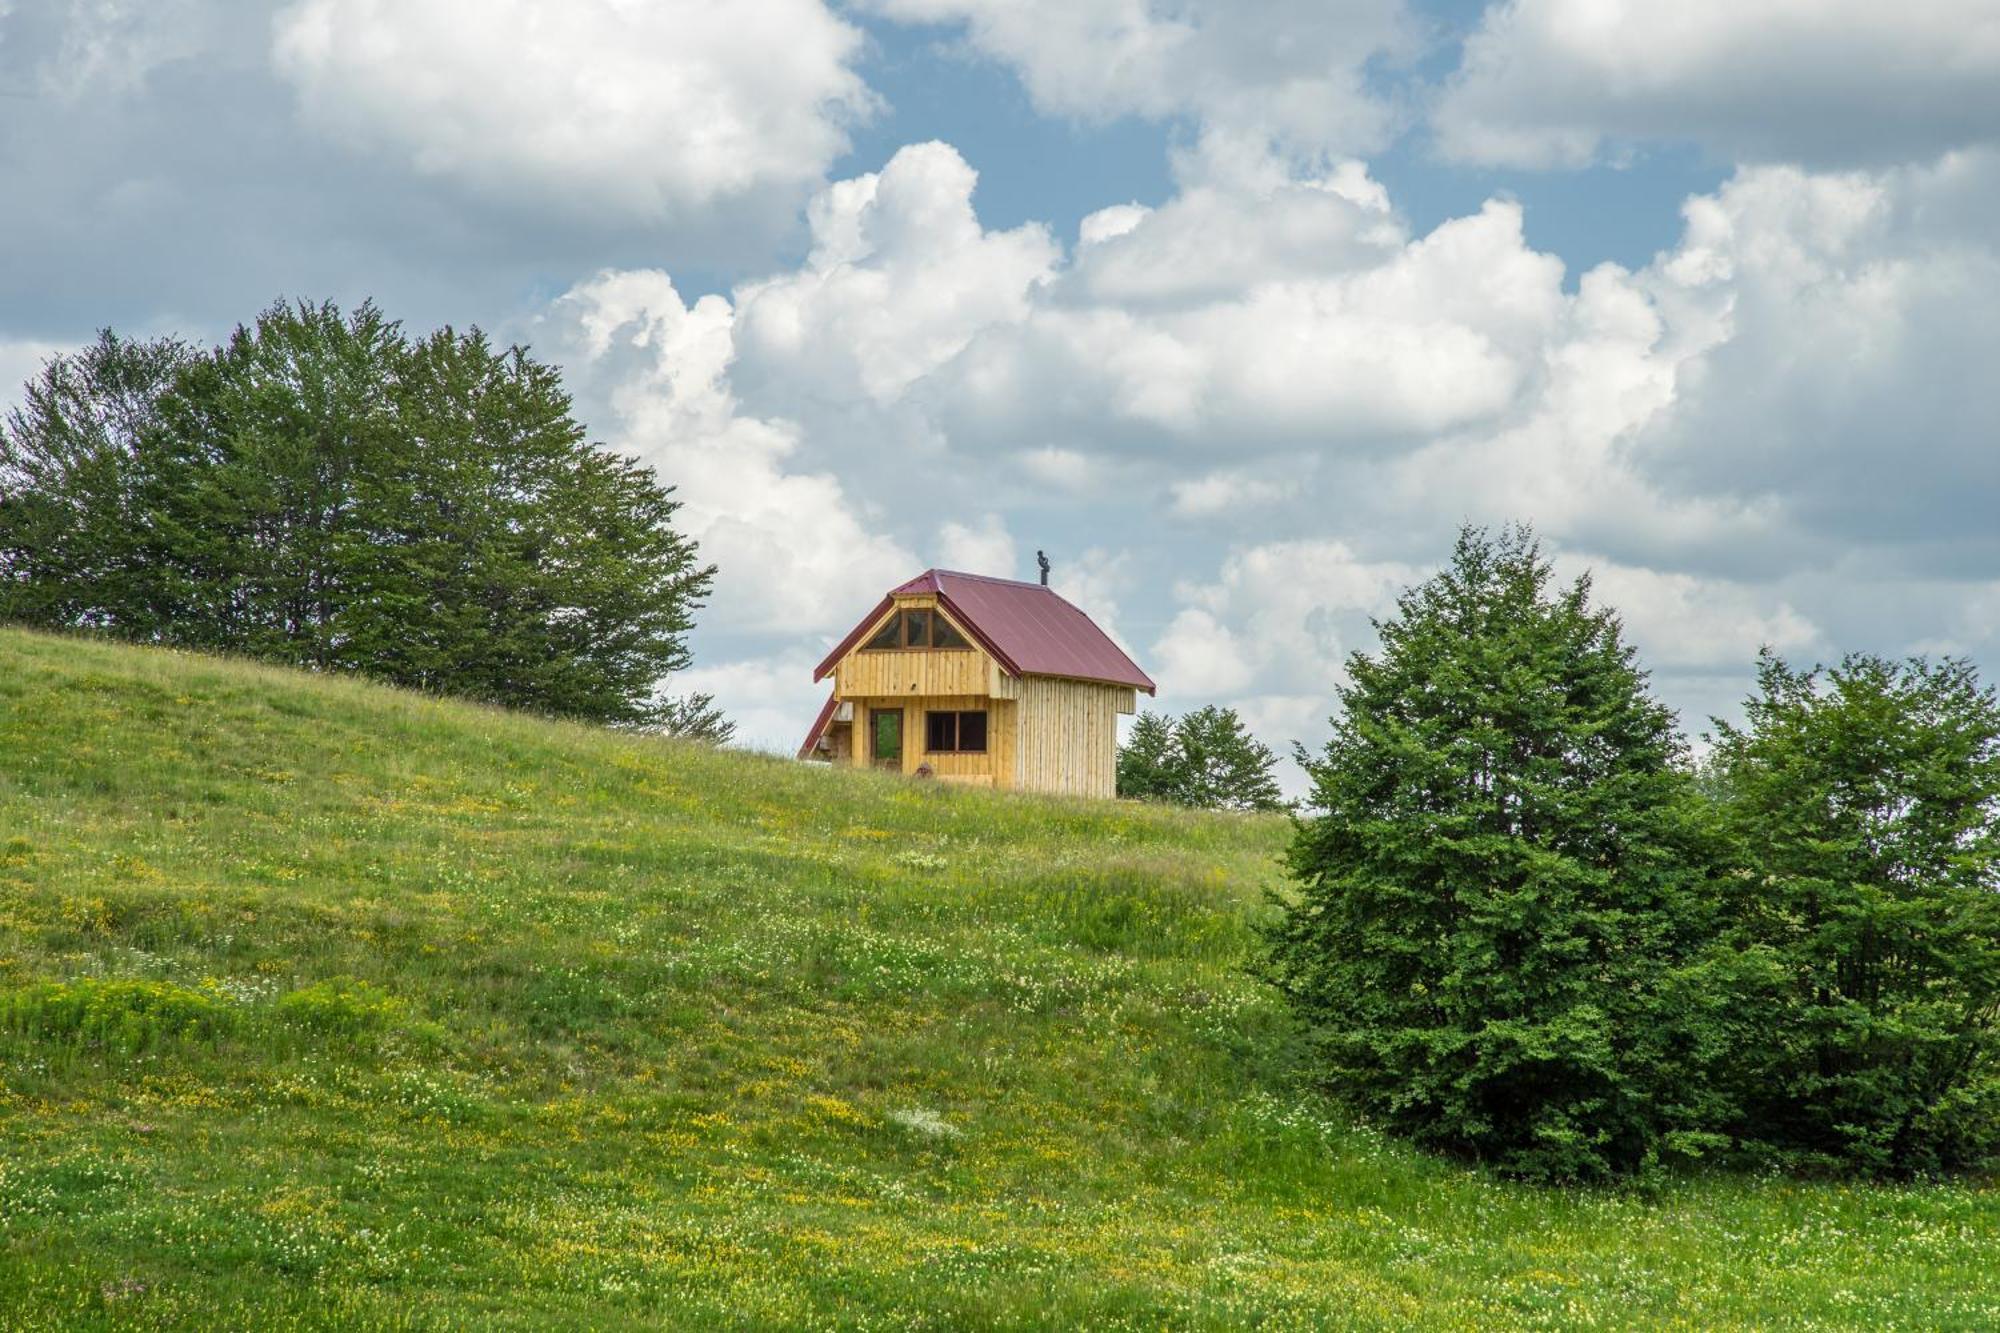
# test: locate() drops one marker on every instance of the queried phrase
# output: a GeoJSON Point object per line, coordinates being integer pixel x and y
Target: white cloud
{"type": "Point", "coordinates": [985, 549]}
{"type": "Point", "coordinates": [772, 700]}
{"type": "Point", "coordinates": [107, 48]}
{"type": "Point", "coordinates": [1302, 313]}
{"type": "Point", "coordinates": [21, 359]}
{"type": "Point", "coordinates": [1093, 582]}
{"type": "Point", "coordinates": [1563, 82]}
{"type": "Point", "coordinates": [1336, 403]}
{"type": "Point", "coordinates": [1061, 469]}
{"type": "Point", "coordinates": [901, 277]}
{"type": "Point", "coordinates": [1200, 657]}
{"type": "Point", "coordinates": [1683, 621]}
{"type": "Point", "coordinates": [1289, 71]}
{"type": "Point", "coordinates": [1224, 492]}
{"type": "Point", "coordinates": [645, 110]}
{"type": "Point", "coordinates": [1849, 382]}
{"type": "Point", "coordinates": [1280, 616]}
{"type": "Point", "coordinates": [793, 552]}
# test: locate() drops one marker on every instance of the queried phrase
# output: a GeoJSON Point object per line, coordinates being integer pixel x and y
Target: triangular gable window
{"type": "Point", "coordinates": [917, 627]}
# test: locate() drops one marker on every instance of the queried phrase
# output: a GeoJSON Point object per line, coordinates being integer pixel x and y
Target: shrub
{"type": "Point", "coordinates": [1865, 801]}
{"type": "Point", "coordinates": [1494, 945]}
{"type": "Point", "coordinates": [339, 1007]}
{"type": "Point", "coordinates": [125, 1016]}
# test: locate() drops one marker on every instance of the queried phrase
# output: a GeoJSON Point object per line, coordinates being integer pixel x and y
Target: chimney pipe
{"type": "Point", "coordinates": [1043, 560]}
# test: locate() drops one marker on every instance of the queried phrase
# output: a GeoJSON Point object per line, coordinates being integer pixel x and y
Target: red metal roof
{"type": "Point", "coordinates": [819, 725]}
{"type": "Point", "coordinates": [1027, 628]}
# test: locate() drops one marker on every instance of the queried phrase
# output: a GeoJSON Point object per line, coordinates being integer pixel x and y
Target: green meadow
{"type": "Point", "coordinates": [328, 1006]}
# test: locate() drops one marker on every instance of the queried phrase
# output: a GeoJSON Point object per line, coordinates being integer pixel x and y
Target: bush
{"type": "Point", "coordinates": [339, 1007]}
{"type": "Point", "coordinates": [1496, 941]}
{"type": "Point", "coordinates": [127, 1017]}
{"type": "Point", "coordinates": [1865, 801]}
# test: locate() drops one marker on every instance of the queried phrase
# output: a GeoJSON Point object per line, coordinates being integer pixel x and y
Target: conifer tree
{"type": "Point", "coordinates": [1865, 800]}
{"type": "Point", "coordinates": [1494, 894]}
{"type": "Point", "coordinates": [695, 717]}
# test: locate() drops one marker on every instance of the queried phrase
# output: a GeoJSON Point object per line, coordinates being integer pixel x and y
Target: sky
{"type": "Point", "coordinates": [1237, 308]}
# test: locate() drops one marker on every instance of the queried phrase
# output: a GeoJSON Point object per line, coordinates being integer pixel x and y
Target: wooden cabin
{"type": "Point", "coordinates": [978, 680]}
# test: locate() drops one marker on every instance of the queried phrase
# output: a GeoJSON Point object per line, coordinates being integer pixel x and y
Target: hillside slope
{"type": "Point", "coordinates": [324, 1005]}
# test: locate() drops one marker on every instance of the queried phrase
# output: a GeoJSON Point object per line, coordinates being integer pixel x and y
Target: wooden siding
{"type": "Point", "coordinates": [912, 672]}
{"type": "Point", "coordinates": [1043, 733]}
{"type": "Point", "coordinates": [916, 671]}
{"type": "Point", "coordinates": [995, 767]}
{"type": "Point", "coordinates": [1068, 736]}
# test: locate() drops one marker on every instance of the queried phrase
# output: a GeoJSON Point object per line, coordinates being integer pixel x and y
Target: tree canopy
{"type": "Point", "coordinates": [1207, 759]}
{"type": "Point", "coordinates": [329, 491]}
{"type": "Point", "coordinates": [1865, 804]}
{"type": "Point", "coordinates": [1524, 926]}
{"type": "Point", "coordinates": [1496, 884]}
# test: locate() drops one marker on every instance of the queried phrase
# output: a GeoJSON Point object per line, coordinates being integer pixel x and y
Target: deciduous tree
{"type": "Point", "coordinates": [325, 490]}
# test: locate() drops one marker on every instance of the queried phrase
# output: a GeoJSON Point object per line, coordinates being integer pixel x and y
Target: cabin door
{"type": "Point", "coordinates": [887, 726]}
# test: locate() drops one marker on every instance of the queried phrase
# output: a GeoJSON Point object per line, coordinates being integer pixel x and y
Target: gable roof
{"type": "Point", "coordinates": [1026, 627]}
{"type": "Point", "coordinates": [819, 726]}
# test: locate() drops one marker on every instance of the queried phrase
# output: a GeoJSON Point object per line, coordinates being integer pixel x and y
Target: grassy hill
{"type": "Point", "coordinates": [324, 1005]}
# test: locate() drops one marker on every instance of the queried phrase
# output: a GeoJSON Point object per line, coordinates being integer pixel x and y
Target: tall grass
{"type": "Point", "coordinates": [327, 1006]}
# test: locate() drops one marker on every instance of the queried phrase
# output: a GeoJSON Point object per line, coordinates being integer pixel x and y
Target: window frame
{"type": "Point", "coordinates": [958, 716]}
{"type": "Point", "coordinates": [898, 623]}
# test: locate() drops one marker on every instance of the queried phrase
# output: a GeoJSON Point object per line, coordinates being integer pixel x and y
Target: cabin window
{"type": "Point", "coordinates": [916, 628]}
{"type": "Point", "coordinates": [955, 733]}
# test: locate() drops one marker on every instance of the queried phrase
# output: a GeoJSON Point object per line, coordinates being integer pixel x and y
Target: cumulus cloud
{"type": "Point", "coordinates": [1288, 71]}
{"type": "Point", "coordinates": [901, 277]}
{"type": "Point", "coordinates": [107, 48]}
{"type": "Point", "coordinates": [1849, 382]}
{"type": "Point", "coordinates": [1202, 657]}
{"type": "Point", "coordinates": [983, 548]}
{"type": "Point", "coordinates": [647, 110]}
{"type": "Point", "coordinates": [771, 698]}
{"type": "Point", "coordinates": [1299, 312]}
{"type": "Point", "coordinates": [1093, 581]}
{"type": "Point", "coordinates": [1224, 492]}
{"type": "Point", "coordinates": [1824, 82]}
{"type": "Point", "coordinates": [793, 550]}
{"type": "Point", "coordinates": [1682, 621]}
{"type": "Point", "coordinates": [22, 359]}
{"type": "Point", "coordinates": [1283, 615]}
{"type": "Point", "coordinates": [1338, 403]}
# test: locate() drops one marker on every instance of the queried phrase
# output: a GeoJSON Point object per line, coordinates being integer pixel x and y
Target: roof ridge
{"type": "Point", "coordinates": [1024, 635]}
{"type": "Point", "coordinates": [985, 578]}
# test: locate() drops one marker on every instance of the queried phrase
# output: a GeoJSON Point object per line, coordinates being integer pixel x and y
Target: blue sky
{"type": "Point", "coordinates": [1238, 309]}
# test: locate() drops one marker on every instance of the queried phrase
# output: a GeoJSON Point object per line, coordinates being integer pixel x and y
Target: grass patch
{"type": "Point", "coordinates": [323, 1005]}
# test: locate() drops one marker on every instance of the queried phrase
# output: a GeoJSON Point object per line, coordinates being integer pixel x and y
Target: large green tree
{"type": "Point", "coordinates": [1207, 759]}
{"type": "Point", "coordinates": [1146, 761]}
{"type": "Point", "coordinates": [69, 523]}
{"type": "Point", "coordinates": [1865, 800]}
{"type": "Point", "coordinates": [1499, 883]}
{"type": "Point", "coordinates": [328, 491]}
